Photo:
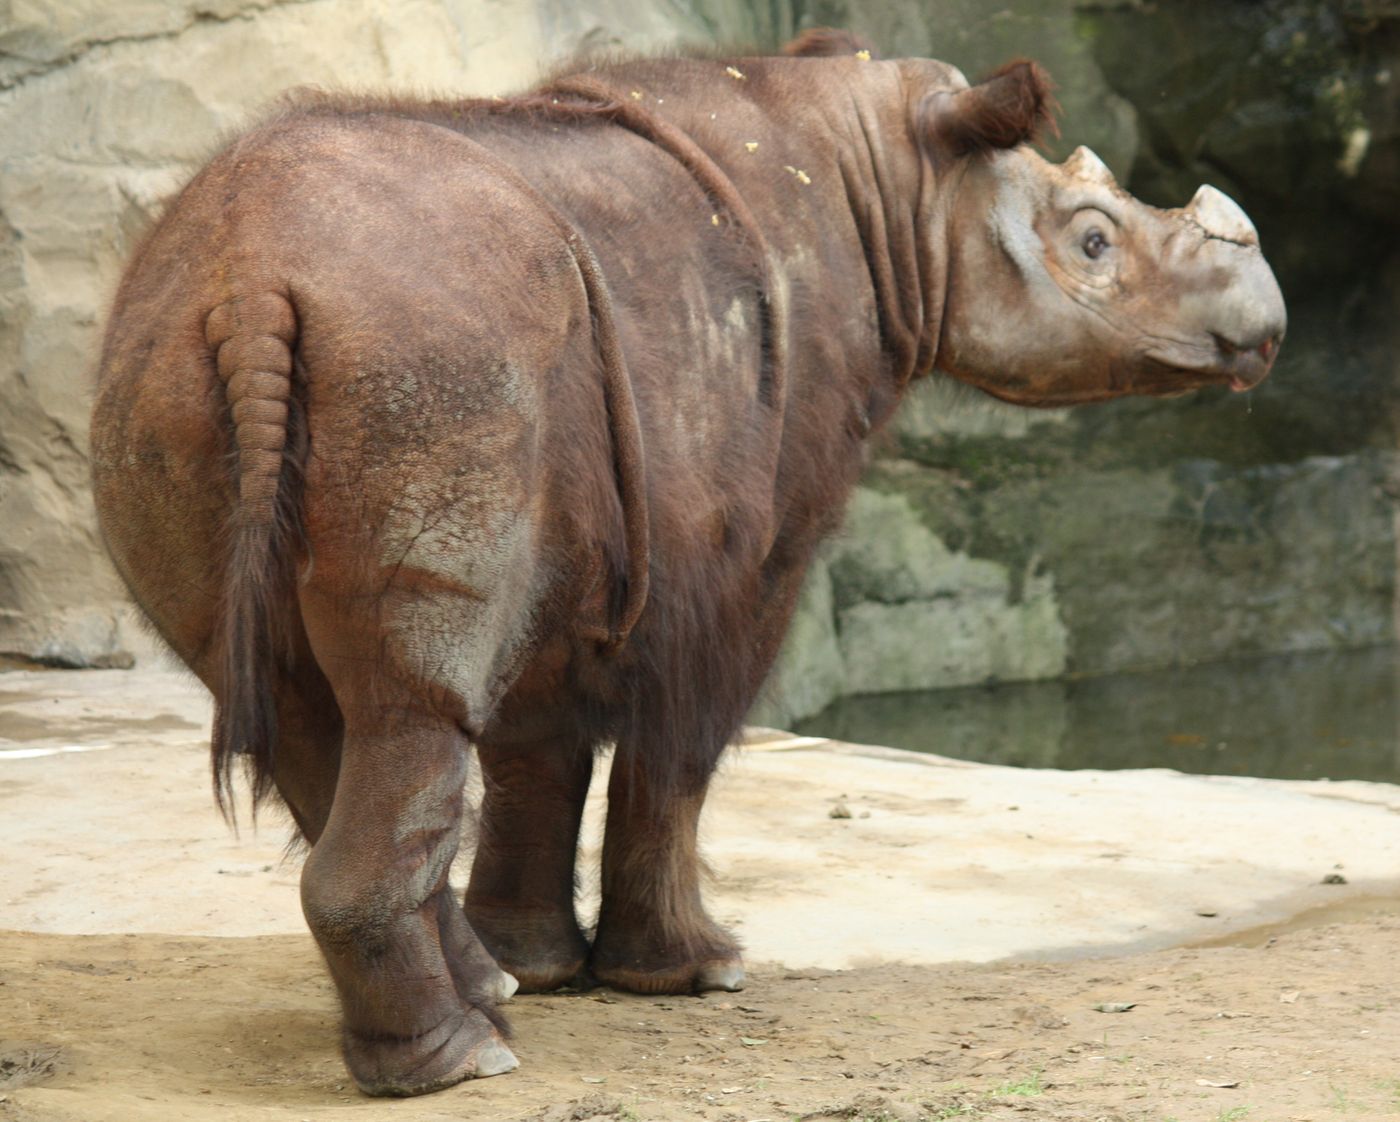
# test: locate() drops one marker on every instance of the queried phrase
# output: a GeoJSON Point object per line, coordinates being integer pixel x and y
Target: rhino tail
{"type": "Point", "coordinates": [252, 339]}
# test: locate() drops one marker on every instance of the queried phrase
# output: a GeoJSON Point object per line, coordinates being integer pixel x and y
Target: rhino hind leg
{"type": "Point", "coordinates": [654, 935]}
{"type": "Point", "coordinates": [418, 990]}
{"type": "Point", "coordinates": [306, 757]}
{"type": "Point", "coordinates": [520, 899]}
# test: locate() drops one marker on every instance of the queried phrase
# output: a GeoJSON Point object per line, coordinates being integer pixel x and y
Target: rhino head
{"type": "Point", "coordinates": [1063, 288]}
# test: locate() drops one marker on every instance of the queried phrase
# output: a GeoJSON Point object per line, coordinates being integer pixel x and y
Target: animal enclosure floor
{"type": "Point", "coordinates": [936, 954]}
{"type": "Point", "coordinates": [159, 1028]}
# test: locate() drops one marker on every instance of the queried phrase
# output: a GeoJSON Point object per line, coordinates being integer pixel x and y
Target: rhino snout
{"type": "Point", "coordinates": [1248, 324]}
{"type": "Point", "coordinates": [1247, 364]}
{"type": "Point", "coordinates": [1231, 305]}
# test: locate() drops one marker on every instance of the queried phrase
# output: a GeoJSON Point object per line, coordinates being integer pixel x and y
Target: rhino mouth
{"type": "Point", "coordinates": [1238, 367]}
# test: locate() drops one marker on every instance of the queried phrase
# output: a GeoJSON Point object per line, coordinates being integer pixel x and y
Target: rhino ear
{"type": "Point", "coordinates": [825, 42]}
{"type": "Point", "coordinates": [1009, 108]}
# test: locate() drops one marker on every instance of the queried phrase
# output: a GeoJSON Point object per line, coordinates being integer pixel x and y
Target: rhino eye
{"type": "Point", "coordinates": [1094, 243]}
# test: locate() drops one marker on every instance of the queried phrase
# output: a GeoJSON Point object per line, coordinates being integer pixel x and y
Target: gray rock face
{"type": "Point", "coordinates": [913, 614]}
{"type": "Point", "coordinates": [978, 37]}
{"type": "Point", "coordinates": [106, 106]}
{"type": "Point", "coordinates": [812, 672]}
{"type": "Point", "coordinates": [893, 608]}
{"type": "Point", "coordinates": [988, 542]}
{"type": "Point", "coordinates": [1176, 532]}
{"type": "Point", "coordinates": [1097, 570]}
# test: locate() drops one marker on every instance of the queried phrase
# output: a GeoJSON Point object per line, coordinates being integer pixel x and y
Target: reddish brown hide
{"type": "Point", "coordinates": [513, 424]}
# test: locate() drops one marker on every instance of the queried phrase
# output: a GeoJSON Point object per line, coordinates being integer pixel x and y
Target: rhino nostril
{"type": "Point", "coordinates": [1224, 345]}
{"type": "Point", "coordinates": [1265, 348]}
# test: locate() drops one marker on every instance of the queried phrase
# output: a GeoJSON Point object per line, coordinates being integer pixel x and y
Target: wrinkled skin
{"type": "Point", "coordinates": [425, 428]}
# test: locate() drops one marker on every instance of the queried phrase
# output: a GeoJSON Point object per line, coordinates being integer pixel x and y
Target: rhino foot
{"type": "Point", "coordinates": [726, 975]}
{"type": "Point", "coordinates": [541, 949]}
{"type": "Point", "coordinates": [544, 972]}
{"type": "Point", "coordinates": [629, 960]}
{"type": "Point", "coordinates": [468, 1048]}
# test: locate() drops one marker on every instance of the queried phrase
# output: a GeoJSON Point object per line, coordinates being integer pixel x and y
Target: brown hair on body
{"type": "Point", "coordinates": [829, 42]}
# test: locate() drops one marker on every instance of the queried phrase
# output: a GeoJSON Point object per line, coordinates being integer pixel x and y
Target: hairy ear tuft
{"type": "Point", "coordinates": [825, 42]}
{"type": "Point", "coordinates": [1007, 108]}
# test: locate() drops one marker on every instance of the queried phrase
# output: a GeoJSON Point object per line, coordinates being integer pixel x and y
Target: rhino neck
{"type": "Point", "coordinates": [898, 217]}
{"type": "Point", "coordinates": [821, 156]}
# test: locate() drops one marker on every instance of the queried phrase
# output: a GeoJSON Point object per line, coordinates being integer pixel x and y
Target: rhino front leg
{"type": "Point", "coordinates": [654, 935]}
{"type": "Point", "coordinates": [520, 899]}
{"type": "Point", "coordinates": [417, 988]}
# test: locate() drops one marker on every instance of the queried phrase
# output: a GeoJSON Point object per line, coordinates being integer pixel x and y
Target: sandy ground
{"type": "Point", "coordinates": [938, 954]}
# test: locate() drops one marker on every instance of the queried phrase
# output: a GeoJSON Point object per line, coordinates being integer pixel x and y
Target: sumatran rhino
{"type": "Point", "coordinates": [512, 424]}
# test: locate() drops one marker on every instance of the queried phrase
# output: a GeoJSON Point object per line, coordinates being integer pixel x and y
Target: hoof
{"type": "Point", "coordinates": [494, 1058]}
{"type": "Point", "coordinates": [398, 1068]}
{"type": "Point", "coordinates": [506, 987]}
{"type": "Point", "coordinates": [640, 962]}
{"type": "Point", "coordinates": [543, 979]}
{"type": "Point", "coordinates": [728, 976]}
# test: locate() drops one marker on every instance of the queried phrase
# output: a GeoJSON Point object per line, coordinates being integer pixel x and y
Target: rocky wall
{"type": "Point", "coordinates": [1147, 534]}
{"type": "Point", "coordinates": [106, 106]}
{"type": "Point", "coordinates": [987, 543]}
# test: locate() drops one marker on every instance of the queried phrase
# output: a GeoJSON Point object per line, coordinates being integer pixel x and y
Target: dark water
{"type": "Point", "coordinates": [1310, 716]}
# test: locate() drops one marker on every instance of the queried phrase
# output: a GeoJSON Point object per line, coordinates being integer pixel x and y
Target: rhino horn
{"type": "Point", "coordinates": [1221, 217]}
{"type": "Point", "coordinates": [1084, 163]}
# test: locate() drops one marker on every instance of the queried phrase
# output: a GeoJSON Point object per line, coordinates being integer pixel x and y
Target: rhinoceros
{"type": "Point", "coordinates": [511, 425]}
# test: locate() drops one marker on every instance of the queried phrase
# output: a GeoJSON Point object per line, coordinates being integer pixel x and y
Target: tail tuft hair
{"type": "Point", "coordinates": [253, 338]}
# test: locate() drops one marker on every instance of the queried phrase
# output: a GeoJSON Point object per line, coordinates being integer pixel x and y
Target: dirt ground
{"type": "Point", "coordinates": [161, 1028]}
{"type": "Point", "coordinates": [936, 950]}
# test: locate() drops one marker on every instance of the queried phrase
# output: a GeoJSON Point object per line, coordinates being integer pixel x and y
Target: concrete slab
{"type": "Point", "coordinates": [107, 826]}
